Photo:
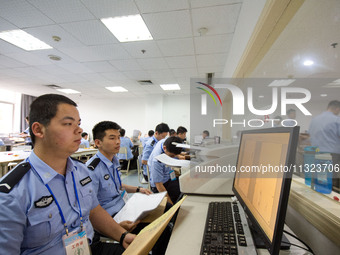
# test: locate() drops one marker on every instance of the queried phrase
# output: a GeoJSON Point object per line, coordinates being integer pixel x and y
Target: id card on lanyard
{"type": "Point", "coordinates": [120, 189]}
{"type": "Point", "coordinates": [75, 242]}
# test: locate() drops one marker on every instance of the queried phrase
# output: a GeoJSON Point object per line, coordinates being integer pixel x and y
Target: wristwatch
{"type": "Point", "coordinates": [122, 237]}
{"type": "Point", "coordinates": [138, 188]}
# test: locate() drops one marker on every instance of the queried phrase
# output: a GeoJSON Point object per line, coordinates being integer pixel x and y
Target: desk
{"type": "Point", "coordinates": [7, 157]}
{"type": "Point", "coordinates": [187, 234]}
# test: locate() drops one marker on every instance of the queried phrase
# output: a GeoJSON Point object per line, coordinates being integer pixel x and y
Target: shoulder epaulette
{"type": "Point", "coordinates": [152, 143]}
{"type": "Point", "coordinates": [93, 164]}
{"type": "Point", "coordinates": [78, 160]}
{"type": "Point", "coordinates": [7, 184]}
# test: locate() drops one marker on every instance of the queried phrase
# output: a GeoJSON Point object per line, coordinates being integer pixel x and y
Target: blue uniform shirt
{"type": "Point", "coordinates": [324, 132]}
{"type": "Point", "coordinates": [150, 144]}
{"type": "Point", "coordinates": [106, 183]}
{"type": "Point", "coordinates": [158, 171]}
{"type": "Point", "coordinates": [30, 222]}
{"type": "Point", "coordinates": [125, 142]}
{"type": "Point", "coordinates": [27, 139]}
{"type": "Point", "coordinates": [85, 143]}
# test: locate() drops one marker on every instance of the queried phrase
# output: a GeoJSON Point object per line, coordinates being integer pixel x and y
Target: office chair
{"type": "Point", "coordinates": [123, 150]}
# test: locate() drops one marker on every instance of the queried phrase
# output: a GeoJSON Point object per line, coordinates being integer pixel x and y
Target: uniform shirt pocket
{"type": "Point", "coordinates": [42, 224]}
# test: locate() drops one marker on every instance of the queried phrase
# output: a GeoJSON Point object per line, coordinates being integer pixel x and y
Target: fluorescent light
{"type": "Point", "coordinates": [128, 28]}
{"type": "Point", "coordinates": [323, 95]}
{"type": "Point", "coordinates": [281, 83]}
{"type": "Point", "coordinates": [308, 63]}
{"type": "Point", "coordinates": [68, 91]}
{"type": "Point", "coordinates": [170, 87]}
{"type": "Point", "coordinates": [23, 40]}
{"type": "Point", "coordinates": [261, 96]}
{"type": "Point", "coordinates": [117, 89]}
{"type": "Point", "coordinates": [333, 84]}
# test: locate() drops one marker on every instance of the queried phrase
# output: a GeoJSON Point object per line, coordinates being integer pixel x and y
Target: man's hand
{"type": "Point", "coordinates": [129, 225]}
{"type": "Point", "coordinates": [145, 191]}
{"type": "Point", "coordinates": [128, 240]}
{"type": "Point", "coordinates": [144, 162]}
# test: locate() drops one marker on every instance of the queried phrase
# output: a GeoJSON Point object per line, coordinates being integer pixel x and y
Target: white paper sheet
{"type": "Point", "coordinates": [171, 161]}
{"type": "Point", "coordinates": [138, 206]}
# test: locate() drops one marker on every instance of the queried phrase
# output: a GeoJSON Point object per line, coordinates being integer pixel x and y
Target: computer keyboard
{"type": "Point", "coordinates": [224, 232]}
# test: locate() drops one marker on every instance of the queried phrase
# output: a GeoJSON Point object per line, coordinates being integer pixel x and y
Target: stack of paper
{"type": "Point", "coordinates": [138, 206]}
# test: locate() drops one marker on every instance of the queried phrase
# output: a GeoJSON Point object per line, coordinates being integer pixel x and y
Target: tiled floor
{"type": "Point", "coordinates": [132, 179]}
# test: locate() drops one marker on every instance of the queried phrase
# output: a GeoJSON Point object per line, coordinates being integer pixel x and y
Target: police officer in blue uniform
{"type": "Point", "coordinates": [161, 132]}
{"type": "Point", "coordinates": [162, 177]}
{"type": "Point", "coordinates": [48, 200]}
{"type": "Point", "coordinates": [105, 171]}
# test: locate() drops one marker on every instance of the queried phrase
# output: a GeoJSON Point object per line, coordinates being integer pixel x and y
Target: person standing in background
{"type": "Point", "coordinates": [324, 133]}
{"type": "Point", "coordinates": [84, 142]}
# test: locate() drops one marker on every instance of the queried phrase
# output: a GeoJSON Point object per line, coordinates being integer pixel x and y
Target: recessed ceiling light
{"type": "Point", "coordinates": [23, 40]}
{"type": "Point", "coordinates": [117, 89]}
{"type": "Point", "coordinates": [128, 28]}
{"type": "Point", "coordinates": [68, 91]}
{"type": "Point", "coordinates": [281, 83]}
{"type": "Point", "coordinates": [308, 63]}
{"type": "Point", "coordinates": [323, 95]}
{"type": "Point", "coordinates": [170, 87]}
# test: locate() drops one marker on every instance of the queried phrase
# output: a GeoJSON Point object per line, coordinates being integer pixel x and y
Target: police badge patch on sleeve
{"type": "Point", "coordinates": [44, 201]}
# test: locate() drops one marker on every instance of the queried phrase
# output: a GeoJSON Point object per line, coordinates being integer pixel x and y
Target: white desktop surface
{"type": "Point", "coordinates": [187, 234]}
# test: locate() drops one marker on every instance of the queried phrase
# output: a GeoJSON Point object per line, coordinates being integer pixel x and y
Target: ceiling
{"type": "Point", "coordinates": [92, 58]}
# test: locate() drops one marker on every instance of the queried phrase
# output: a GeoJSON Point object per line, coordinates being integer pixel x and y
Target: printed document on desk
{"type": "Point", "coordinates": [138, 206]}
{"type": "Point", "coordinates": [171, 161]}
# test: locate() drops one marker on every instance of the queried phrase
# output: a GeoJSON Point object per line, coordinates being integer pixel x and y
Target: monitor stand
{"type": "Point", "coordinates": [285, 244]}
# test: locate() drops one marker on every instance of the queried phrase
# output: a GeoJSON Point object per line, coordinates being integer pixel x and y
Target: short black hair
{"type": "Point", "coordinates": [172, 132]}
{"type": "Point", "coordinates": [290, 111]}
{"type": "Point", "coordinates": [181, 130]}
{"type": "Point", "coordinates": [333, 104]}
{"type": "Point", "coordinates": [206, 132]}
{"type": "Point", "coordinates": [151, 132]}
{"type": "Point", "coordinates": [171, 147]}
{"type": "Point", "coordinates": [122, 132]}
{"type": "Point", "coordinates": [84, 134]}
{"type": "Point", "coordinates": [161, 128]}
{"type": "Point", "coordinates": [99, 129]}
{"type": "Point", "coordinates": [44, 108]}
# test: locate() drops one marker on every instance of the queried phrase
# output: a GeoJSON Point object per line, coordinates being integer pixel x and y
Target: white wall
{"type": "Point", "coordinates": [137, 113]}
{"type": "Point", "coordinates": [14, 98]}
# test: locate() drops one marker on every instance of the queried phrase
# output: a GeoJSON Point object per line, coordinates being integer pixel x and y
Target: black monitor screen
{"type": "Point", "coordinates": [262, 181]}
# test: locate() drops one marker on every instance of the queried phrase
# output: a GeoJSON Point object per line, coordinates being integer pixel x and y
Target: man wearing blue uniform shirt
{"type": "Point", "coordinates": [84, 142]}
{"type": "Point", "coordinates": [49, 199]}
{"type": "Point", "coordinates": [161, 131]}
{"type": "Point", "coordinates": [144, 140]}
{"type": "Point", "coordinates": [324, 133]}
{"type": "Point", "coordinates": [104, 171]}
{"type": "Point", "coordinates": [162, 177]}
{"type": "Point", "coordinates": [125, 142]}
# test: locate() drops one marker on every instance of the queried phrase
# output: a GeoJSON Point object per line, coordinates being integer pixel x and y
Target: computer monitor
{"type": "Point", "coordinates": [263, 194]}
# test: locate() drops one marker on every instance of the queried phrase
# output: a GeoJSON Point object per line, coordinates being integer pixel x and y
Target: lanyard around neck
{"type": "Point", "coordinates": [57, 203]}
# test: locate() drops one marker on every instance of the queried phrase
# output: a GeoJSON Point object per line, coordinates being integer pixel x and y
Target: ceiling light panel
{"type": "Point", "coordinates": [117, 89]}
{"type": "Point", "coordinates": [170, 87]}
{"type": "Point", "coordinates": [128, 28]}
{"type": "Point", "coordinates": [69, 91]}
{"type": "Point", "coordinates": [281, 83]}
{"type": "Point", "coordinates": [23, 40]}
